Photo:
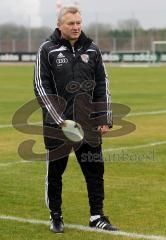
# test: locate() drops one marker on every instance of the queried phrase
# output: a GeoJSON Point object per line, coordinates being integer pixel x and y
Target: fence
{"type": "Point", "coordinates": [141, 57]}
{"type": "Point", "coordinates": [105, 43]}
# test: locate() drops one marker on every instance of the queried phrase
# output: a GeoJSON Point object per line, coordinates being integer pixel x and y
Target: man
{"type": "Point", "coordinates": [69, 65]}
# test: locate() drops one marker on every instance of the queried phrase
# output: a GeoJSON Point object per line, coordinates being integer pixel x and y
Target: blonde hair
{"type": "Point", "coordinates": [65, 10]}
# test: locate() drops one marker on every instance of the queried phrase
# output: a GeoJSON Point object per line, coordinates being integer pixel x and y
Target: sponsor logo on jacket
{"type": "Point", "coordinates": [61, 59]}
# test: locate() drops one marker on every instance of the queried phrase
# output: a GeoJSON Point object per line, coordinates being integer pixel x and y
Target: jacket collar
{"type": "Point", "coordinates": [83, 41]}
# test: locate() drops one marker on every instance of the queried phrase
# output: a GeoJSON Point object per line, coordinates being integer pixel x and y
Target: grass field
{"type": "Point", "coordinates": [135, 170]}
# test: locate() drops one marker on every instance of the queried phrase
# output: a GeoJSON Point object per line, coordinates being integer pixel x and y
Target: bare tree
{"type": "Point", "coordinates": [128, 24]}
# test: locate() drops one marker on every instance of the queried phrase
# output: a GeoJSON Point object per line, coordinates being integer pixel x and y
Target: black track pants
{"type": "Point", "coordinates": [92, 166]}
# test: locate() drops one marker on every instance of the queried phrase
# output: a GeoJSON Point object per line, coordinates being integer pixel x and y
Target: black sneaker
{"type": "Point", "coordinates": [56, 223]}
{"type": "Point", "coordinates": [103, 223]}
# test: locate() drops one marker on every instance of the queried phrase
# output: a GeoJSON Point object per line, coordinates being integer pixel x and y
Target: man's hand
{"type": "Point", "coordinates": [63, 124]}
{"type": "Point", "coordinates": [103, 129]}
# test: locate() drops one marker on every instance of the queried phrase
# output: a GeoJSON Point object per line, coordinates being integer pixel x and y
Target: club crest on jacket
{"type": "Point", "coordinates": [85, 58]}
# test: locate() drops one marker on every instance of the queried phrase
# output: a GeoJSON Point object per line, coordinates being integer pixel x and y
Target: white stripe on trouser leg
{"type": "Point", "coordinates": [46, 181]}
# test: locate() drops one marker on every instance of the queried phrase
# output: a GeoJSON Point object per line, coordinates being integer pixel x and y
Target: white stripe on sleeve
{"type": "Point", "coordinates": [42, 92]}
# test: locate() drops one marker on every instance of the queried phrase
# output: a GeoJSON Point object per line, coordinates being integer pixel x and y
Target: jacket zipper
{"type": "Point", "coordinates": [73, 51]}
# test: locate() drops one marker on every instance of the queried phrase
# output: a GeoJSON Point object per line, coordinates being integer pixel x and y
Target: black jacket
{"type": "Point", "coordinates": [66, 72]}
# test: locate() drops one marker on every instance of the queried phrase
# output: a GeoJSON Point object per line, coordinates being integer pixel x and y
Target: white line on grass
{"type": "Point", "coordinates": [10, 125]}
{"type": "Point", "coordinates": [146, 113]}
{"type": "Point", "coordinates": [5, 126]}
{"type": "Point", "coordinates": [104, 150]}
{"type": "Point", "coordinates": [12, 163]}
{"type": "Point", "coordinates": [85, 229]}
{"type": "Point", "coordinates": [130, 114]}
{"type": "Point", "coordinates": [128, 65]}
{"type": "Point", "coordinates": [135, 147]}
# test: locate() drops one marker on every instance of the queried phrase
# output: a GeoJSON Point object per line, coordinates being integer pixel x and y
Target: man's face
{"type": "Point", "coordinates": [70, 27]}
